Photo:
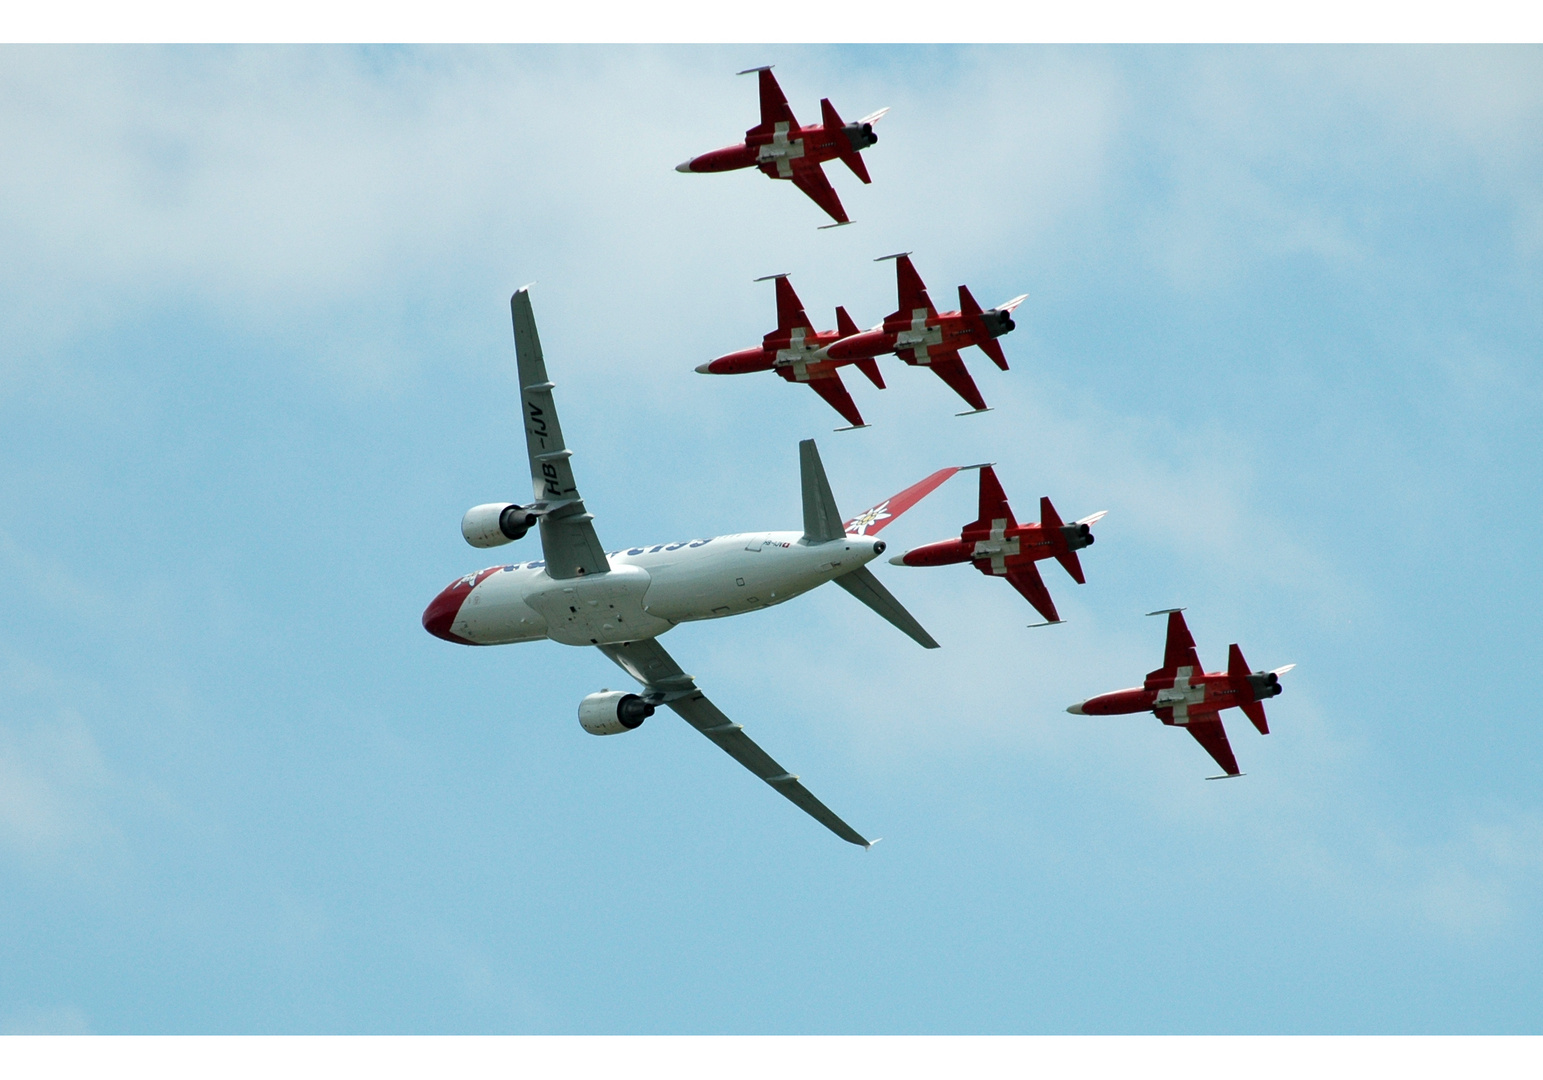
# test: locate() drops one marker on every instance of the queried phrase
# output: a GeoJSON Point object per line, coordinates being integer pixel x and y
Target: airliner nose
{"type": "Point", "coordinates": [440, 615]}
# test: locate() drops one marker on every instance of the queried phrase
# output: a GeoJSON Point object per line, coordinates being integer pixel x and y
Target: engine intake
{"type": "Point", "coordinates": [612, 712]}
{"type": "Point", "coordinates": [492, 524]}
{"type": "Point", "coordinates": [1265, 684]}
{"type": "Point", "coordinates": [998, 322]}
{"type": "Point", "coordinates": [1078, 536]}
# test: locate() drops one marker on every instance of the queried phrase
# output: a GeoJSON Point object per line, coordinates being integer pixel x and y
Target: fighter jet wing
{"type": "Point", "coordinates": [568, 541]}
{"type": "Point", "coordinates": [1180, 649]}
{"type": "Point", "coordinates": [774, 105]}
{"type": "Point", "coordinates": [665, 683]}
{"type": "Point", "coordinates": [1207, 729]}
{"type": "Point", "coordinates": [911, 290]}
{"type": "Point", "coordinates": [951, 370]}
{"type": "Point", "coordinates": [811, 180]}
{"type": "Point", "coordinates": [834, 391]}
{"type": "Point", "coordinates": [1027, 581]}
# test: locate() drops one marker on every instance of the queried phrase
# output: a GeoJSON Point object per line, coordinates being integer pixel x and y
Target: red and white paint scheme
{"type": "Point", "coordinates": [578, 593]}
{"type": "Point", "coordinates": [784, 150]}
{"type": "Point", "coordinates": [1001, 547]}
{"type": "Point", "coordinates": [1184, 694]}
{"type": "Point", "coordinates": [790, 351]}
{"type": "Point", "coordinates": [922, 337]}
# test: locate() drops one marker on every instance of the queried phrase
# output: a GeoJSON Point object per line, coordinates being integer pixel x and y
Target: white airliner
{"type": "Point", "coordinates": [621, 601]}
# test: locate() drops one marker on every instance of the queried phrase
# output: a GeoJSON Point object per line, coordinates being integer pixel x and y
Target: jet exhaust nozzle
{"type": "Point", "coordinates": [860, 136]}
{"type": "Point", "coordinates": [1265, 684]}
{"type": "Point", "coordinates": [998, 322]}
{"type": "Point", "coordinates": [1078, 536]}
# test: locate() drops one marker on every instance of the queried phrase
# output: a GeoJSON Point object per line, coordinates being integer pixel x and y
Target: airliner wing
{"type": "Point", "coordinates": [664, 683]}
{"type": "Point", "coordinates": [568, 541]}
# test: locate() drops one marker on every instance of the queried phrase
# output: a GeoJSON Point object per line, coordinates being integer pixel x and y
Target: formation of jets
{"type": "Point", "coordinates": [916, 332]}
{"type": "Point", "coordinates": [622, 601]}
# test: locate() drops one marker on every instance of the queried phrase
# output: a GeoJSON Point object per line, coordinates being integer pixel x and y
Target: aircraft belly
{"type": "Point", "coordinates": [495, 612]}
{"type": "Point", "coordinates": [728, 578]}
{"type": "Point", "coordinates": [599, 610]}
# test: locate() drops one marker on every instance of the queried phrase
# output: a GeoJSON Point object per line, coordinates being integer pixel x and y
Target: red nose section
{"type": "Point", "coordinates": [440, 615]}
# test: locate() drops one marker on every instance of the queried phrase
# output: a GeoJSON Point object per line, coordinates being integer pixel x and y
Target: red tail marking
{"type": "Point", "coordinates": [870, 521]}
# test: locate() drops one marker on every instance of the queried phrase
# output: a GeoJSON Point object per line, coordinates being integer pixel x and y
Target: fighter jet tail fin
{"type": "Point", "coordinates": [971, 310]}
{"type": "Point", "coordinates": [845, 326]}
{"type": "Point", "coordinates": [822, 521]}
{"type": "Point", "coordinates": [833, 123]}
{"type": "Point", "coordinates": [1238, 671]}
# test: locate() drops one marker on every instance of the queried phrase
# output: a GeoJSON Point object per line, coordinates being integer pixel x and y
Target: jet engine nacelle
{"type": "Point", "coordinates": [1265, 684]}
{"type": "Point", "coordinates": [612, 712]}
{"type": "Point", "coordinates": [492, 524]}
{"type": "Point", "coordinates": [998, 322]}
{"type": "Point", "coordinates": [1078, 535]}
{"type": "Point", "coordinates": [860, 136]}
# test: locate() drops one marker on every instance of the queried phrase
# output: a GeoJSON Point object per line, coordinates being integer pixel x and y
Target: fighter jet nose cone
{"type": "Point", "coordinates": [684, 166]}
{"type": "Point", "coordinates": [705, 369]}
{"type": "Point", "coordinates": [897, 560]}
{"type": "Point", "coordinates": [1075, 710]}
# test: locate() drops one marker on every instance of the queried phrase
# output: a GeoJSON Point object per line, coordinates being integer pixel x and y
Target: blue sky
{"type": "Point", "coordinates": [1283, 324]}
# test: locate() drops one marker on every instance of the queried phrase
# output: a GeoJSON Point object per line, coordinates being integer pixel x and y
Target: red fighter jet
{"type": "Point", "coordinates": [790, 351]}
{"type": "Point", "coordinates": [1184, 694]}
{"type": "Point", "coordinates": [784, 151]}
{"type": "Point", "coordinates": [923, 338]}
{"type": "Point", "coordinates": [998, 545]}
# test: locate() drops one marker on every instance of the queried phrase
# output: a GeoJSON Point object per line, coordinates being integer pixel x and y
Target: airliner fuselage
{"type": "Point", "coordinates": [646, 591]}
